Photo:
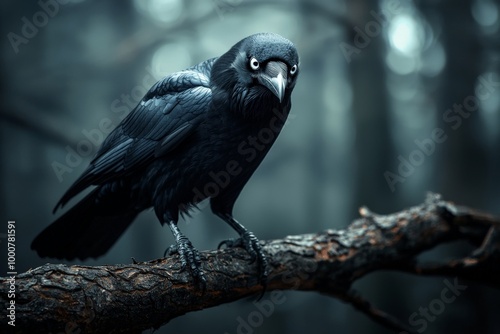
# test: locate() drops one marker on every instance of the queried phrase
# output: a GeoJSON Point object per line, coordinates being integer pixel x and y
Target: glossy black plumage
{"type": "Point", "coordinates": [188, 128]}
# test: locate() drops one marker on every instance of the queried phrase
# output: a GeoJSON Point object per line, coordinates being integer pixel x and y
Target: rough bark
{"type": "Point", "coordinates": [130, 298]}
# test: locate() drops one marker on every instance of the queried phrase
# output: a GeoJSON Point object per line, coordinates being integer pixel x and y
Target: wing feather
{"type": "Point", "coordinates": [168, 114]}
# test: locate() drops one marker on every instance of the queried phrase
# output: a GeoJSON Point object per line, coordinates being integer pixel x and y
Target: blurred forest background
{"type": "Point", "coordinates": [378, 80]}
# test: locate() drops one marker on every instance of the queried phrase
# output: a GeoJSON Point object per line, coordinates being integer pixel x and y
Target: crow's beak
{"type": "Point", "coordinates": [274, 78]}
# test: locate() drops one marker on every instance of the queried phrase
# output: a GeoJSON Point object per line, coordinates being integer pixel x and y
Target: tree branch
{"type": "Point", "coordinates": [133, 297]}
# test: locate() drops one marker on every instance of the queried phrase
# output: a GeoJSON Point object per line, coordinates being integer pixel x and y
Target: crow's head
{"type": "Point", "coordinates": [257, 74]}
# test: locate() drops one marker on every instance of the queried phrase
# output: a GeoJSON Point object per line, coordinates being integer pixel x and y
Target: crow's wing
{"type": "Point", "coordinates": [168, 114]}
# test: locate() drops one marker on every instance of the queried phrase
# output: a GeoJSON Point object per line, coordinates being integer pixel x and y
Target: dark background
{"type": "Point", "coordinates": [370, 86]}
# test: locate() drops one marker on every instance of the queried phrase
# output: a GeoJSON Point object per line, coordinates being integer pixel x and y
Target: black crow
{"type": "Point", "coordinates": [198, 133]}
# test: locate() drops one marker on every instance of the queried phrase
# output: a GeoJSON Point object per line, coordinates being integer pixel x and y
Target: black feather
{"type": "Point", "coordinates": [187, 128]}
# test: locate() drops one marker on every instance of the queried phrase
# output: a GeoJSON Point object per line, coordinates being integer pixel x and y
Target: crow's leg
{"type": "Point", "coordinates": [248, 241]}
{"type": "Point", "coordinates": [189, 256]}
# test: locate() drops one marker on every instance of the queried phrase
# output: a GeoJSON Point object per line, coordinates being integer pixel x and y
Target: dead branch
{"type": "Point", "coordinates": [130, 298]}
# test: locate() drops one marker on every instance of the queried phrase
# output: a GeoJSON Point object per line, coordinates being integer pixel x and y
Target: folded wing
{"type": "Point", "coordinates": [168, 114]}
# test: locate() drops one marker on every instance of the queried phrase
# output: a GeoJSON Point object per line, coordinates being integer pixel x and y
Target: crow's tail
{"type": "Point", "coordinates": [88, 229]}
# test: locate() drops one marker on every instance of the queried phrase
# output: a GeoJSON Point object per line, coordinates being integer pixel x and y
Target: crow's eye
{"type": "Point", "coordinates": [254, 64]}
{"type": "Point", "coordinates": [293, 70]}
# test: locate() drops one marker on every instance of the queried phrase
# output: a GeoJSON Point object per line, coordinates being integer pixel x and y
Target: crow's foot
{"type": "Point", "coordinates": [251, 244]}
{"type": "Point", "coordinates": [190, 257]}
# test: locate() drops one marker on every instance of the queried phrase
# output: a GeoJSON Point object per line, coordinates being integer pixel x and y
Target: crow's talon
{"type": "Point", "coordinates": [251, 244]}
{"type": "Point", "coordinates": [189, 257]}
{"type": "Point", "coordinates": [231, 243]}
{"type": "Point", "coordinates": [171, 250]}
